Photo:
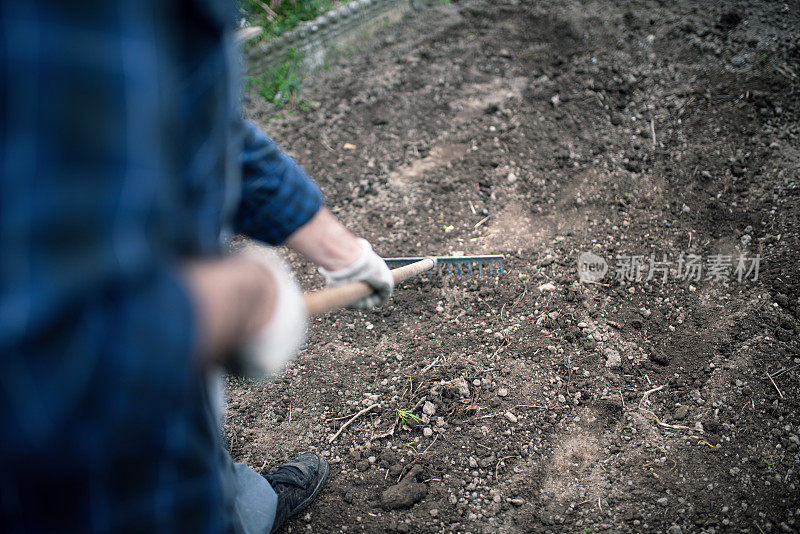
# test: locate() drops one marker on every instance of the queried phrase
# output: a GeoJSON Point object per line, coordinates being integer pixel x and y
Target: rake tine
{"type": "Point", "coordinates": [460, 265]}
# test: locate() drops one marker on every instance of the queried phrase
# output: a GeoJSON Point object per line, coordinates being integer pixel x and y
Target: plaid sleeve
{"type": "Point", "coordinates": [278, 197]}
{"type": "Point", "coordinates": [111, 113]}
{"type": "Point", "coordinates": [91, 312]}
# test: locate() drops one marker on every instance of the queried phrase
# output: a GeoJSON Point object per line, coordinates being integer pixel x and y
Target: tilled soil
{"type": "Point", "coordinates": [542, 130]}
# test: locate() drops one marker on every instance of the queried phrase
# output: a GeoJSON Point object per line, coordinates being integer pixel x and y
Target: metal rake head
{"type": "Point", "coordinates": [457, 265]}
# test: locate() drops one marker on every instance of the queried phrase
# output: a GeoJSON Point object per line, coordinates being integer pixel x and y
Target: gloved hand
{"type": "Point", "coordinates": [369, 268]}
{"type": "Point", "coordinates": [281, 338]}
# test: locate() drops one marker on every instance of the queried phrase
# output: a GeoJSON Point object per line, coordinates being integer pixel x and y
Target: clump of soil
{"type": "Point", "coordinates": [542, 131]}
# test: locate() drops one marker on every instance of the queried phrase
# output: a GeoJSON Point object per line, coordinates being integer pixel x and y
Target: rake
{"type": "Point", "coordinates": [325, 300]}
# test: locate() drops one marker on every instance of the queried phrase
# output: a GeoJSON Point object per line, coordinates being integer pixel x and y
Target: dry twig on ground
{"type": "Point", "coordinates": [349, 422]}
{"type": "Point", "coordinates": [780, 393]}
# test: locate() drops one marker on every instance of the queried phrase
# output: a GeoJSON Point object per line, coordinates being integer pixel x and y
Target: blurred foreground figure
{"type": "Point", "coordinates": [123, 164]}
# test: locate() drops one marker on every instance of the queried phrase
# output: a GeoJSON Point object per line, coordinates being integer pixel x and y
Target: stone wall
{"type": "Point", "coordinates": [341, 31]}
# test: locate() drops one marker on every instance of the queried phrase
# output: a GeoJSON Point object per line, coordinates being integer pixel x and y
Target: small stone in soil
{"type": "Point", "coordinates": [399, 527]}
{"type": "Point", "coordinates": [511, 417]}
{"type": "Point", "coordinates": [463, 387]}
{"type": "Point", "coordinates": [659, 358]}
{"type": "Point", "coordinates": [406, 493]}
{"type": "Point", "coordinates": [613, 359]}
{"type": "Point", "coordinates": [680, 413]}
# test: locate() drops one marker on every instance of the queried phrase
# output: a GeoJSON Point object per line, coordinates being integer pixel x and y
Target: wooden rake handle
{"type": "Point", "coordinates": [332, 298]}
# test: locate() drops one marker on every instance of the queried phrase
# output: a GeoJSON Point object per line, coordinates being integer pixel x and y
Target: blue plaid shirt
{"type": "Point", "coordinates": [122, 152]}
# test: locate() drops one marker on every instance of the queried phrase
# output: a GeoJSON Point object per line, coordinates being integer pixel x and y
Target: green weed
{"type": "Point", "coordinates": [408, 417]}
{"type": "Point", "coordinates": [281, 86]}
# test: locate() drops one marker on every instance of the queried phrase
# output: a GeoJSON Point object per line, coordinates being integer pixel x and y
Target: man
{"type": "Point", "coordinates": [123, 160]}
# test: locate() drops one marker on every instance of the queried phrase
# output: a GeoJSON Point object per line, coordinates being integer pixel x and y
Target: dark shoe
{"type": "Point", "coordinates": [297, 484]}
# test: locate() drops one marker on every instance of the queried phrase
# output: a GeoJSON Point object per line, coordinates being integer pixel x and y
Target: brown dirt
{"type": "Point", "coordinates": [452, 103]}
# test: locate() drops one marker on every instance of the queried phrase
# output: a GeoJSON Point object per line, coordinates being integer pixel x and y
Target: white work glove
{"type": "Point", "coordinates": [282, 337]}
{"type": "Point", "coordinates": [369, 268]}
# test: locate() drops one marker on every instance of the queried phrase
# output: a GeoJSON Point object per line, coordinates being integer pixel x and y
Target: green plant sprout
{"type": "Point", "coordinates": [770, 464]}
{"type": "Point", "coordinates": [408, 417]}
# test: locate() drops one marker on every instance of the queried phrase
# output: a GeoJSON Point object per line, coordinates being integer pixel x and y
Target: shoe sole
{"type": "Point", "coordinates": [325, 468]}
